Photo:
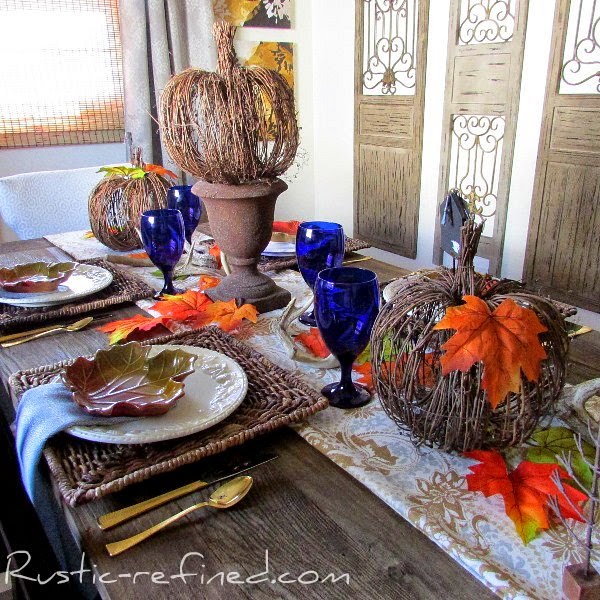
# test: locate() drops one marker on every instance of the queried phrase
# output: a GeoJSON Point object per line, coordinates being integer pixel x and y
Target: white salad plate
{"type": "Point", "coordinates": [212, 392]}
{"type": "Point", "coordinates": [280, 249]}
{"type": "Point", "coordinates": [85, 280]}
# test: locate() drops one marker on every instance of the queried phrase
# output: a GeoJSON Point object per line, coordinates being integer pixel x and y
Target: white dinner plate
{"type": "Point", "coordinates": [280, 249]}
{"type": "Point", "coordinates": [212, 392]}
{"type": "Point", "coordinates": [85, 280]}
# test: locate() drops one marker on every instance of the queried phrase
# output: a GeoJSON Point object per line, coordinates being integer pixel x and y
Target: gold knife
{"type": "Point", "coordinates": [117, 517]}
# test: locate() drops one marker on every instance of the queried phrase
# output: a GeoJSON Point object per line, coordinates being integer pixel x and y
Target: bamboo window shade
{"type": "Point", "coordinates": [61, 73]}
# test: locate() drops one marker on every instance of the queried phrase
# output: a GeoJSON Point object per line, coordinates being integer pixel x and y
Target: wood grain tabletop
{"type": "Point", "coordinates": [304, 518]}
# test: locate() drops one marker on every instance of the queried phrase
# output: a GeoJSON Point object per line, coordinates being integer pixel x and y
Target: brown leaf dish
{"type": "Point", "coordinates": [123, 381]}
{"type": "Point", "coordinates": [35, 277]}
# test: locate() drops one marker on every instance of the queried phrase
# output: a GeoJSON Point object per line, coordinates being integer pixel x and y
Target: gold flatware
{"type": "Point", "coordinates": [112, 519]}
{"type": "Point", "coordinates": [48, 331]}
{"type": "Point", "coordinates": [225, 496]}
{"type": "Point", "coordinates": [355, 260]}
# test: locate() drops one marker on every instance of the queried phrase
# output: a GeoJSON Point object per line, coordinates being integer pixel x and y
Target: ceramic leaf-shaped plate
{"type": "Point", "coordinates": [36, 277]}
{"type": "Point", "coordinates": [124, 381]}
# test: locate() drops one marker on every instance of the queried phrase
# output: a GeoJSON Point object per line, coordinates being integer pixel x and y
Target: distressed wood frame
{"type": "Point", "coordinates": [388, 140]}
{"type": "Point", "coordinates": [474, 91]}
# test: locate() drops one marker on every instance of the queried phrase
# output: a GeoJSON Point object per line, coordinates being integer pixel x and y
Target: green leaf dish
{"type": "Point", "coordinates": [124, 381]}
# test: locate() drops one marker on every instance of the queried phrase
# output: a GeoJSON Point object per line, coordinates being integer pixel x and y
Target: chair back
{"type": "Point", "coordinates": [36, 204]}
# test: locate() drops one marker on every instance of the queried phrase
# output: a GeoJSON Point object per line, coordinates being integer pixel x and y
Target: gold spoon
{"type": "Point", "coordinates": [73, 327]}
{"type": "Point", "coordinates": [224, 496]}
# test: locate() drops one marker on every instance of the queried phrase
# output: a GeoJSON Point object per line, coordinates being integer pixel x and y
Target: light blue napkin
{"type": "Point", "coordinates": [43, 412]}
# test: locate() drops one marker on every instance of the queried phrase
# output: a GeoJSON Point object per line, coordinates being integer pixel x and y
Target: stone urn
{"type": "Point", "coordinates": [241, 221]}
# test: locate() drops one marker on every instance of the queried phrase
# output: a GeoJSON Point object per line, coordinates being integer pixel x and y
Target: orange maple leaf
{"type": "Point", "coordinates": [183, 306]}
{"type": "Point", "coordinates": [206, 282]}
{"type": "Point", "coordinates": [290, 227]}
{"type": "Point", "coordinates": [159, 170]}
{"type": "Point", "coordinates": [366, 374]}
{"type": "Point", "coordinates": [313, 342]}
{"type": "Point", "coordinates": [505, 341]}
{"type": "Point", "coordinates": [215, 251]}
{"type": "Point", "coordinates": [139, 255]}
{"type": "Point", "coordinates": [526, 490]}
{"type": "Point", "coordinates": [121, 330]}
{"type": "Point", "coordinates": [226, 314]}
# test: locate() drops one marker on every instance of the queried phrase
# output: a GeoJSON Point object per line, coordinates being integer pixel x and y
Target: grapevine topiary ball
{"type": "Point", "coordinates": [117, 202]}
{"type": "Point", "coordinates": [442, 353]}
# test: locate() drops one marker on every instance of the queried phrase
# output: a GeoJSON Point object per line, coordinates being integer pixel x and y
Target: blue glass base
{"type": "Point", "coordinates": [346, 396]}
{"type": "Point", "coordinates": [308, 318]}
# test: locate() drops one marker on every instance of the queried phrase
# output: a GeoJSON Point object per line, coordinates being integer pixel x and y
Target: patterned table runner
{"type": "Point", "coordinates": [425, 486]}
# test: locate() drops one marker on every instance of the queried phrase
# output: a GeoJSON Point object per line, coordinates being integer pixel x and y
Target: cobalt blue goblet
{"type": "Point", "coordinates": [163, 238]}
{"type": "Point", "coordinates": [181, 198]}
{"type": "Point", "coordinates": [319, 245]}
{"type": "Point", "coordinates": [346, 305]}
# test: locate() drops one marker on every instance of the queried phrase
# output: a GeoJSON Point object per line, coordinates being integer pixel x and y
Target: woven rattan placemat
{"type": "Point", "coordinates": [279, 264]}
{"type": "Point", "coordinates": [86, 470]}
{"type": "Point", "coordinates": [124, 288]}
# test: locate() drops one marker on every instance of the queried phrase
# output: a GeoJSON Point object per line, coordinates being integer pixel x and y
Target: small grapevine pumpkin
{"type": "Point", "coordinates": [234, 126]}
{"type": "Point", "coordinates": [460, 408]}
{"type": "Point", "coordinates": [117, 202]}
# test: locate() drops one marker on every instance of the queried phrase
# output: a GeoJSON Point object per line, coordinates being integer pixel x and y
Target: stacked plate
{"type": "Point", "coordinates": [84, 280]}
{"type": "Point", "coordinates": [214, 390]}
{"type": "Point", "coordinates": [280, 249]}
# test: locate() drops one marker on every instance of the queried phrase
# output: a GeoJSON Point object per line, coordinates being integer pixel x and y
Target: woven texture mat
{"type": "Point", "coordinates": [124, 288]}
{"type": "Point", "coordinates": [279, 264]}
{"type": "Point", "coordinates": [87, 470]}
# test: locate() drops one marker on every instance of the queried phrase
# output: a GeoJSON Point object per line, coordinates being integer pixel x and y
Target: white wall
{"type": "Point", "coordinates": [27, 160]}
{"type": "Point", "coordinates": [298, 201]}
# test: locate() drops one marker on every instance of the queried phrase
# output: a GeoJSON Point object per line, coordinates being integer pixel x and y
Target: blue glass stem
{"type": "Point", "coordinates": [346, 386]}
{"type": "Point", "coordinates": [168, 287]}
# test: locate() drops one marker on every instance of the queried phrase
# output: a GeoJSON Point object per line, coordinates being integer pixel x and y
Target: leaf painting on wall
{"type": "Point", "coordinates": [277, 56]}
{"type": "Point", "coordinates": [255, 13]}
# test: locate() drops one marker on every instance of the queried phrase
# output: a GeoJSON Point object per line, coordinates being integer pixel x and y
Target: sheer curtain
{"type": "Point", "coordinates": [160, 38]}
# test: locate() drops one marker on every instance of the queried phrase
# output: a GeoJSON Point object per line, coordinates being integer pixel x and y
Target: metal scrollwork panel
{"type": "Point", "coordinates": [475, 157]}
{"type": "Point", "coordinates": [390, 45]}
{"type": "Point", "coordinates": [486, 21]}
{"type": "Point", "coordinates": [580, 73]}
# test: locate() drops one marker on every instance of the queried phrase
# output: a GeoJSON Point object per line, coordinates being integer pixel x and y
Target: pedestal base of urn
{"type": "Point", "coordinates": [256, 289]}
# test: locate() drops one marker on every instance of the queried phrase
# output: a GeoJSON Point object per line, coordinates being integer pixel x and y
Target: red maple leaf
{"type": "Point", "coordinates": [313, 342]}
{"type": "Point", "coordinates": [526, 490]}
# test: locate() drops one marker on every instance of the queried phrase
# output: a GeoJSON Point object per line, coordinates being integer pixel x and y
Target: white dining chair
{"type": "Point", "coordinates": [36, 204]}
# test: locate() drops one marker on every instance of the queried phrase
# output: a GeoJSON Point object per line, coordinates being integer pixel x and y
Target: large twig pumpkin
{"type": "Point", "coordinates": [235, 126]}
{"type": "Point", "coordinates": [453, 411]}
{"type": "Point", "coordinates": [117, 202]}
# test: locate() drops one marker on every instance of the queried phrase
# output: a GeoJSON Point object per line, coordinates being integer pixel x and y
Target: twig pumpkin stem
{"type": "Point", "coordinates": [224, 33]}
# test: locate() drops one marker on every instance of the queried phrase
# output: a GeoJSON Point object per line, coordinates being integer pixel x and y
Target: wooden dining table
{"type": "Point", "coordinates": [304, 515]}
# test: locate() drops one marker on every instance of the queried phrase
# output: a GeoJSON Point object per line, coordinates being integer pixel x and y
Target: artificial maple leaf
{"type": "Point", "coordinates": [290, 227]}
{"type": "Point", "coordinates": [206, 282]}
{"type": "Point", "coordinates": [526, 490]}
{"type": "Point", "coordinates": [159, 170]}
{"type": "Point", "coordinates": [120, 330]}
{"type": "Point", "coordinates": [226, 314]}
{"type": "Point", "coordinates": [313, 342]}
{"type": "Point", "coordinates": [182, 307]}
{"type": "Point", "coordinates": [138, 255]}
{"type": "Point", "coordinates": [215, 251]}
{"type": "Point", "coordinates": [505, 341]}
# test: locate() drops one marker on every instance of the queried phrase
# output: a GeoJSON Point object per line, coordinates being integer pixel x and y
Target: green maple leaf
{"type": "Point", "coordinates": [555, 442]}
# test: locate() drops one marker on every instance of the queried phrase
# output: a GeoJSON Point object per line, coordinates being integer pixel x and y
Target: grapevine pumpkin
{"type": "Point", "coordinates": [235, 126]}
{"type": "Point", "coordinates": [427, 371]}
{"type": "Point", "coordinates": [117, 202]}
